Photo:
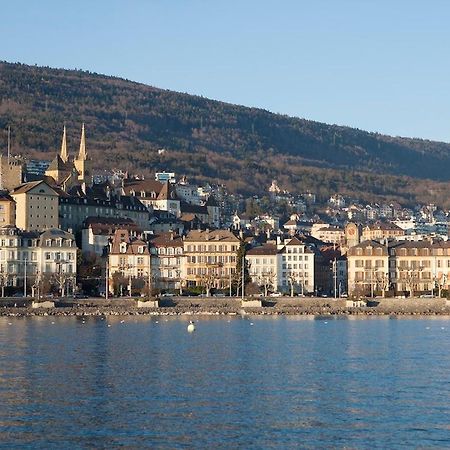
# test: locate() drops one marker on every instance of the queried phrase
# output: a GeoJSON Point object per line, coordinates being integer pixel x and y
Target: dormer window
{"type": "Point", "coordinates": [141, 249]}
{"type": "Point", "coordinates": [142, 193]}
{"type": "Point", "coordinates": [123, 247]}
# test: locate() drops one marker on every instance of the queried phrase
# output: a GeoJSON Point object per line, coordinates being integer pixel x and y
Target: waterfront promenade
{"type": "Point", "coordinates": [226, 306]}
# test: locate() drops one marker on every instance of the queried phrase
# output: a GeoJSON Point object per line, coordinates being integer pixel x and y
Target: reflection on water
{"type": "Point", "coordinates": [281, 382]}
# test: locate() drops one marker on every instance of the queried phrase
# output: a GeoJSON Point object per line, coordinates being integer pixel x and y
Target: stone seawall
{"type": "Point", "coordinates": [228, 306]}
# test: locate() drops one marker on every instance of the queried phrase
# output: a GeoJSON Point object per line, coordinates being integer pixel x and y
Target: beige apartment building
{"type": "Point", "coordinates": [128, 262]}
{"type": "Point", "coordinates": [7, 209]}
{"type": "Point", "coordinates": [381, 230]}
{"type": "Point", "coordinates": [420, 267]}
{"type": "Point", "coordinates": [36, 206]}
{"type": "Point", "coordinates": [368, 268]}
{"type": "Point", "coordinates": [210, 258]}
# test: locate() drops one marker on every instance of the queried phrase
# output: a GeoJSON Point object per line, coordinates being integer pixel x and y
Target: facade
{"type": "Point", "coordinates": [368, 268]}
{"type": "Point", "coordinates": [381, 230]}
{"type": "Point", "coordinates": [28, 257]}
{"type": "Point", "coordinates": [7, 209]}
{"type": "Point", "coordinates": [67, 173]}
{"type": "Point", "coordinates": [146, 190]}
{"type": "Point", "coordinates": [11, 172]}
{"type": "Point", "coordinates": [297, 267]}
{"type": "Point", "coordinates": [36, 206]}
{"type": "Point", "coordinates": [210, 258]}
{"type": "Point", "coordinates": [167, 200]}
{"type": "Point", "coordinates": [422, 266]}
{"type": "Point", "coordinates": [167, 261]}
{"type": "Point", "coordinates": [97, 232]}
{"type": "Point", "coordinates": [328, 233]}
{"type": "Point", "coordinates": [264, 266]}
{"type": "Point", "coordinates": [129, 259]}
{"type": "Point", "coordinates": [74, 210]}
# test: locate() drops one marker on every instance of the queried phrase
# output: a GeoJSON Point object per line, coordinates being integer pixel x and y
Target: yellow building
{"type": "Point", "coordinates": [420, 267]}
{"type": "Point", "coordinates": [381, 230]}
{"type": "Point", "coordinates": [210, 258]}
{"type": "Point", "coordinates": [368, 268]}
{"type": "Point", "coordinates": [7, 209]}
{"type": "Point", "coordinates": [36, 206]}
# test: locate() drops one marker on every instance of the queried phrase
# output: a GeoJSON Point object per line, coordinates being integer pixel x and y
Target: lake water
{"type": "Point", "coordinates": [235, 383]}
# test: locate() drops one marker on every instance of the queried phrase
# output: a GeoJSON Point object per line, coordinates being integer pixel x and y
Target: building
{"type": "Point", "coordinates": [297, 267]}
{"type": "Point", "coordinates": [27, 258]}
{"type": "Point", "coordinates": [36, 206]}
{"type": "Point", "coordinates": [66, 173]}
{"type": "Point", "coordinates": [422, 266]}
{"type": "Point", "coordinates": [73, 210]}
{"type": "Point", "coordinates": [368, 268]}
{"type": "Point", "coordinates": [12, 170]}
{"type": "Point", "coordinates": [210, 258]}
{"type": "Point", "coordinates": [167, 200]}
{"type": "Point", "coordinates": [167, 261]}
{"type": "Point", "coordinates": [381, 230]}
{"type": "Point", "coordinates": [264, 264]}
{"type": "Point", "coordinates": [129, 263]}
{"type": "Point", "coordinates": [97, 232]}
{"type": "Point", "coordinates": [146, 190]}
{"type": "Point", "coordinates": [7, 209]}
{"type": "Point", "coordinates": [328, 233]}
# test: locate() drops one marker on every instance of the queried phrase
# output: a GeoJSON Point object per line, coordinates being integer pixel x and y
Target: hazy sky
{"type": "Point", "coordinates": [379, 65]}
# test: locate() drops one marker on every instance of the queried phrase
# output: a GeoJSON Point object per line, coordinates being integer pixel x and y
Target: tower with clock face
{"type": "Point", "coordinates": [352, 234]}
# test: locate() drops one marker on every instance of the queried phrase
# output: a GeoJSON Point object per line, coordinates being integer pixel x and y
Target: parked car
{"type": "Point", "coordinates": [275, 294]}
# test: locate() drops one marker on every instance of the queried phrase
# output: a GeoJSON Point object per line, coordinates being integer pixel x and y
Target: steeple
{"type": "Point", "coordinates": [82, 162]}
{"type": "Point", "coordinates": [82, 155]}
{"type": "Point", "coordinates": [64, 153]}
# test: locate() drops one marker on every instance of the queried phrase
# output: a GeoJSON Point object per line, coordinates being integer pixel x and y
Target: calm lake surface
{"type": "Point", "coordinates": [234, 383]}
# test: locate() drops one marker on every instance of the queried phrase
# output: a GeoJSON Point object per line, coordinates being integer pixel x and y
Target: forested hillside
{"type": "Point", "coordinates": [127, 123]}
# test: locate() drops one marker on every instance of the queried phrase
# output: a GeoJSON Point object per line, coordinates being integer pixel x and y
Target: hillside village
{"type": "Point", "coordinates": [70, 227]}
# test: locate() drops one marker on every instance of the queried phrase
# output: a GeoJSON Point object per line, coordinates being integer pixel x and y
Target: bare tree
{"type": "Point", "coordinates": [266, 281]}
{"type": "Point", "coordinates": [383, 281]}
{"type": "Point", "coordinates": [411, 279]}
{"type": "Point", "coordinates": [441, 282]}
{"type": "Point", "coordinates": [4, 278]}
{"type": "Point", "coordinates": [292, 279]}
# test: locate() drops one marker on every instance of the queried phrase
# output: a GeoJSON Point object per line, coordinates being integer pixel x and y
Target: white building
{"type": "Point", "coordinates": [26, 258]}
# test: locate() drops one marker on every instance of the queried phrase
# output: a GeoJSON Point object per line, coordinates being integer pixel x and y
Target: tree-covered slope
{"type": "Point", "coordinates": [127, 123]}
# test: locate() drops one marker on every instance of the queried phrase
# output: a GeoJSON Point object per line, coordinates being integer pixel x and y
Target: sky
{"type": "Point", "coordinates": [377, 65]}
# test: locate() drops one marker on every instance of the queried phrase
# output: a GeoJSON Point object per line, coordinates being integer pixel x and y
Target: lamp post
{"type": "Point", "coordinates": [25, 278]}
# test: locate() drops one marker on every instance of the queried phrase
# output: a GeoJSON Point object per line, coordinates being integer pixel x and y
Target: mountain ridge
{"type": "Point", "coordinates": [128, 122]}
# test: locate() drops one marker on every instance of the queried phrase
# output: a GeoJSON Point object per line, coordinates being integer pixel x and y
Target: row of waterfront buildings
{"type": "Point", "coordinates": [160, 234]}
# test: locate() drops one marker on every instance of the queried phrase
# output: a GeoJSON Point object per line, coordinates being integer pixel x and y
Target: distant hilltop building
{"type": "Point", "coordinates": [165, 176]}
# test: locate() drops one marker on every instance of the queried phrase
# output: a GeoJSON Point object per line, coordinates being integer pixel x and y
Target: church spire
{"type": "Point", "coordinates": [82, 155]}
{"type": "Point", "coordinates": [64, 153]}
